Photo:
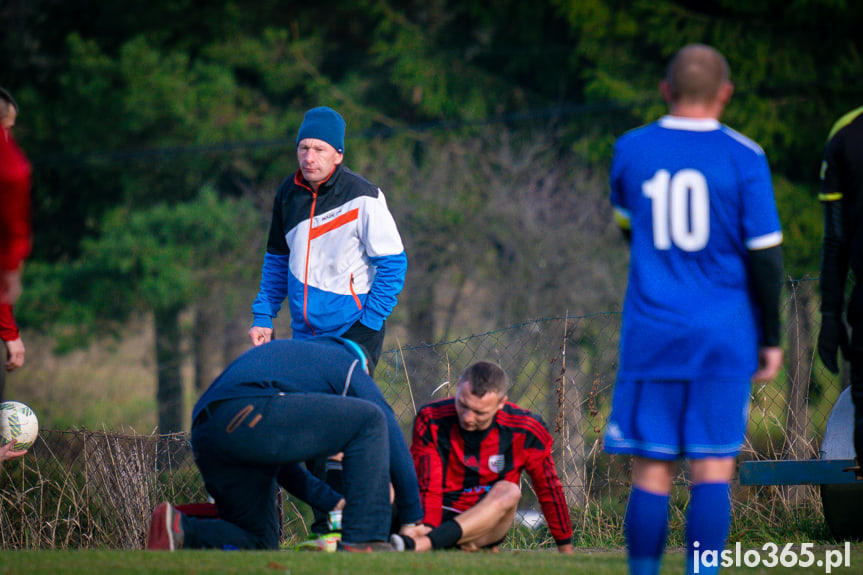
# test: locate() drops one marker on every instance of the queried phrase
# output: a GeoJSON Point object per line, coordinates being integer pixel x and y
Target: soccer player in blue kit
{"type": "Point", "coordinates": [701, 316]}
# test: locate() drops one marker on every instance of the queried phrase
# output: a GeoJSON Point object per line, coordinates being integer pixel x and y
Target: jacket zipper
{"type": "Point", "coordinates": [308, 254]}
{"type": "Point", "coordinates": [353, 293]}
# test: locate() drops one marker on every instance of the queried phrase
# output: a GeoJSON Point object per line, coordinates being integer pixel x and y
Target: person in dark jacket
{"type": "Point", "coordinates": [841, 194]}
{"type": "Point", "coordinates": [275, 406]}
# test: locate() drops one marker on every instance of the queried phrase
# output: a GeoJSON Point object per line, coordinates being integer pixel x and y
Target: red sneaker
{"type": "Point", "coordinates": [166, 530]}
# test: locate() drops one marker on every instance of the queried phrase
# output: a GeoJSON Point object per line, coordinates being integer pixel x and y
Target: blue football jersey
{"type": "Point", "coordinates": [696, 196]}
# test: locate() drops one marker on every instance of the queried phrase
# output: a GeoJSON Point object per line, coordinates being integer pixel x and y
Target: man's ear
{"type": "Point", "coordinates": [665, 90]}
{"type": "Point", "coordinates": [725, 93]}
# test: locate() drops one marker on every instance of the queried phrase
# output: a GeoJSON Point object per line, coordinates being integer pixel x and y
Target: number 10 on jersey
{"type": "Point", "coordinates": [681, 209]}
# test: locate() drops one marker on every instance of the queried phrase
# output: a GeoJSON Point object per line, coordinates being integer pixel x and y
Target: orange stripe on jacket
{"type": "Point", "coordinates": [334, 223]}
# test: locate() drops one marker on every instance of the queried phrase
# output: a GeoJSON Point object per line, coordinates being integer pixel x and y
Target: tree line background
{"type": "Point", "coordinates": [160, 130]}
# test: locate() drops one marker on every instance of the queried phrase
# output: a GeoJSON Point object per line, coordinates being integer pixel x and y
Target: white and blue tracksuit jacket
{"type": "Point", "coordinates": [336, 254]}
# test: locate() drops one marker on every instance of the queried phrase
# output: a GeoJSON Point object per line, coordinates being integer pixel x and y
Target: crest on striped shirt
{"type": "Point", "coordinates": [496, 462]}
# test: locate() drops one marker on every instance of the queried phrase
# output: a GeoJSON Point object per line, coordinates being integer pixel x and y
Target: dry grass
{"type": "Point", "coordinates": [109, 385]}
{"type": "Point", "coordinates": [92, 489]}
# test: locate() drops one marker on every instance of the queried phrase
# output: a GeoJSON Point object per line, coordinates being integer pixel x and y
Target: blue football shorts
{"type": "Point", "coordinates": [670, 420]}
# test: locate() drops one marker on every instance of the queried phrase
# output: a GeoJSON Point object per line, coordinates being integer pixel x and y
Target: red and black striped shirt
{"type": "Point", "coordinates": [456, 468]}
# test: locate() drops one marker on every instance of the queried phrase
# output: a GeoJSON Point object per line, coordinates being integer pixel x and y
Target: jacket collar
{"type": "Point", "coordinates": [325, 185]}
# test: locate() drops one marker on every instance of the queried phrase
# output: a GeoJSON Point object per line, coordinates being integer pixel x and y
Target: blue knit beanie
{"type": "Point", "coordinates": [323, 124]}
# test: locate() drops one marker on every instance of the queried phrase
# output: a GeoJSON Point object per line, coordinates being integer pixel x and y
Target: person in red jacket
{"type": "Point", "coordinates": [14, 232]}
{"type": "Point", "coordinates": [15, 173]}
{"type": "Point", "coordinates": [470, 451]}
{"type": "Point", "coordinates": [12, 340]}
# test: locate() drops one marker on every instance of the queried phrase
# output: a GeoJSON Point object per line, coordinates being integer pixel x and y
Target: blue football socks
{"type": "Point", "coordinates": [708, 520]}
{"type": "Point", "coordinates": [646, 528]}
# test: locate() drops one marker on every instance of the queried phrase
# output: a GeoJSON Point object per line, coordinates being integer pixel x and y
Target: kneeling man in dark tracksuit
{"type": "Point", "coordinates": [275, 406]}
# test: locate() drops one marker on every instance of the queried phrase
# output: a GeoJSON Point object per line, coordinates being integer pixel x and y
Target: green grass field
{"type": "Point", "coordinates": [584, 562]}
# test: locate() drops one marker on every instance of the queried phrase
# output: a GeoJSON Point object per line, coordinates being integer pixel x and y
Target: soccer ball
{"type": "Point", "coordinates": [18, 425]}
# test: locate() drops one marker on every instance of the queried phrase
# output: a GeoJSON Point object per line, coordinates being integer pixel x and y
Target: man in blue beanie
{"type": "Point", "coordinates": [334, 252]}
{"type": "Point", "coordinates": [323, 124]}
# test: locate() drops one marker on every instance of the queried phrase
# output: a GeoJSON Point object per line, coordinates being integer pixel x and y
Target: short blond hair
{"type": "Point", "coordinates": [696, 74]}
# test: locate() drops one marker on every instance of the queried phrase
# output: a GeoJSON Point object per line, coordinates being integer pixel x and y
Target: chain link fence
{"type": "Point", "coordinates": [83, 489]}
